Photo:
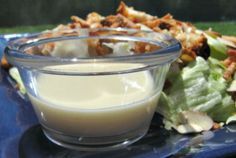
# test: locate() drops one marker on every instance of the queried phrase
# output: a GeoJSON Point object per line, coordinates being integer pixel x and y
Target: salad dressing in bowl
{"type": "Point", "coordinates": [96, 105]}
{"type": "Point", "coordinates": [97, 91]}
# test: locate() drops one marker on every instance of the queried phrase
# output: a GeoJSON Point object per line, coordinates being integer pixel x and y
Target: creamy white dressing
{"type": "Point", "coordinates": [95, 105]}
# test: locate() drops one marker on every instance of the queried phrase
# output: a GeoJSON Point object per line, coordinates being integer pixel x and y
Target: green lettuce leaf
{"type": "Point", "coordinates": [199, 87]}
{"type": "Point", "coordinates": [217, 48]}
{"type": "Point", "coordinates": [14, 73]}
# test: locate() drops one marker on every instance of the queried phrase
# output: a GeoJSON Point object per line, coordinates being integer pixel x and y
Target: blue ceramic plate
{"type": "Point", "coordinates": [21, 135]}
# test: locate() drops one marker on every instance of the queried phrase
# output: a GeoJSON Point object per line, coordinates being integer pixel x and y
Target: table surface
{"type": "Point", "coordinates": [21, 136]}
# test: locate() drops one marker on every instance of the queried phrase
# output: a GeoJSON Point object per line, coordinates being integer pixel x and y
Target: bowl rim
{"type": "Point", "coordinates": [169, 51]}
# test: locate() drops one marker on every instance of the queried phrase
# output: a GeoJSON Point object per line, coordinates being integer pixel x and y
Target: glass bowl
{"type": "Point", "coordinates": [94, 89]}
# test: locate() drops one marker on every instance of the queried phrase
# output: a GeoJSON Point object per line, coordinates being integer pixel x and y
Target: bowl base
{"type": "Point", "coordinates": [93, 144]}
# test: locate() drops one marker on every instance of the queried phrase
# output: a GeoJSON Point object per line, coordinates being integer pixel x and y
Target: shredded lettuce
{"type": "Point", "coordinates": [199, 87]}
{"type": "Point", "coordinates": [232, 87]}
{"type": "Point", "coordinates": [14, 73]}
{"type": "Point", "coordinates": [218, 48]}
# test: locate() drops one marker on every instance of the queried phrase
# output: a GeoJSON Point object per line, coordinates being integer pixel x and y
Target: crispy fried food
{"type": "Point", "coordinates": [228, 74]}
{"type": "Point", "coordinates": [163, 23]}
{"type": "Point", "coordinates": [47, 49]}
{"type": "Point", "coordinates": [77, 20]}
{"type": "Point", "coordinates": [118, 20]}
{"type": "Point", "coordinates": [4, 63]}
{"type": "Point", "coordinates": [193, 43]}
{"type": "Point", "coordinates": [96, 48]}
{"type": "Point", "coordinates": [141, 47]}
{"type": "Point", "coordinates": [94, 20]}
{"type": "Point", "coordinates": [216, 126]}
{"type": "Point", "coordinates": [230, 64]}
{"type": "Point", "coordinates": [230, 38]}
{"type": "Point", "coordinates": [133, 15]}
{"type": "Point", "coordinates": [69, 29]}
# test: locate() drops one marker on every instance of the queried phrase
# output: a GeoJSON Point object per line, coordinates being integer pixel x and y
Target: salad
{"type": "Point", "coordinates": [199, 92]}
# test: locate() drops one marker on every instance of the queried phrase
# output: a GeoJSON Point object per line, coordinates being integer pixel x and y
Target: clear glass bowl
{"type": "Point", "coordinates": [94, 89]}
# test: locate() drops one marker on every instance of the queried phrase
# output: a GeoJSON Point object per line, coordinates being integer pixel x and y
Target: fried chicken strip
{"type": "Point", "coordinates": [118, 20]}
{"type": "Point", "coordinates": [133, 15]}
{"type": "Point", "coordinates": [193, 43]}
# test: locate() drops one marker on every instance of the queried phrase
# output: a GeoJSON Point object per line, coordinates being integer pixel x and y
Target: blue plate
{"type": "Point", "coordinates": [21, 135]}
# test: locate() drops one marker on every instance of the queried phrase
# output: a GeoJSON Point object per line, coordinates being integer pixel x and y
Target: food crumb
{"type": "Point", "coordinates": [217, 126]}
